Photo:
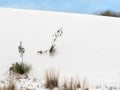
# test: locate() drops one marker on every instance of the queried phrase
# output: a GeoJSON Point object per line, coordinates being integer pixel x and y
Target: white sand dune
{"type": "Point", "coordinates": [89, 47]}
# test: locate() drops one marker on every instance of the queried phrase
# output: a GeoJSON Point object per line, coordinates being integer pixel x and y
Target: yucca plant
{"type": "Point", "coordinates": [52, 48]}
{"type": "Point", "coordinates": [20, 68]}
{"type": "Point", "coordinates": [56, 36]}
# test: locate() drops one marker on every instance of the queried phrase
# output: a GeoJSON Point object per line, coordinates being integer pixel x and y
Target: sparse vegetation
{"type": "Point", "coordinates": [11, 85]}
{"type": "Point", "coordinates": [7, 85]}
{"type": "Point", "coordinates": [109, 13]}
{"type": "Point", "coordinates": [56, 35]}
{"type": "Point", "coordinates": [51, 78]}
{"type": "Point", "coordinates": [85, 85]}
{"type": "Point", "coordinates": [52, 48]}
{"type": "Point", "coordinates": [2, 88]}
{"type": "Point", "coordinates": [71, 84]}
{"type": "Point", "coordinates": [20, 68]}
{"type": "Point", "coordinates": [51, 75]}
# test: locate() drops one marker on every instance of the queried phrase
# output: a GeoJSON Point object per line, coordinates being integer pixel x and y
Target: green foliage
{"type": "Point", "coordinates": [20, 68]}
{"type": "Point", "coordinates": [109, 13]}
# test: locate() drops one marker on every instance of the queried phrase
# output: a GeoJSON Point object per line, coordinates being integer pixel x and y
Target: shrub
{"type": "Point", "coordinates": [109, 13]}
{"type": "Point", "coordinates": [51, 78]}
{"type": "Point", "coordinates": [20, 68]}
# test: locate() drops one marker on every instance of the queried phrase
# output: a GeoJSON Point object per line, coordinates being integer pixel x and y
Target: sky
{"type": "Point", "coordinates": [74, 6]}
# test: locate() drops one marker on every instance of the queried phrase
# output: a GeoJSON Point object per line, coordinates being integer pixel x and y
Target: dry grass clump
{"type": "Point", "coordinates": [72, 84]}
{"type": "Point", "coordinates": [51, 78]}
{"type": "Point", "coordinates": [85, 85]}
{"type": "Point", "coordinates": [2, 88]}
{"type": "Point", "coordinates": [11, 85]}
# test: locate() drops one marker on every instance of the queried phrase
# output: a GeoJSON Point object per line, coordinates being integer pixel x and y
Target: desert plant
{"type": "Point", "coordinates": [7, 84]}
{"type": "Point", "coordinates": [85, 85]}
{"type": "Point", "coordinates": [21, 50]}
{"type": "Point", "coordinates": [65, 86]}
{"type": "Point", "coordinates": [51, 78]}
{"type": "Point", "coordinates": [56, 35]}
{"type": "Point", "coordinates": [2, 86]}
{"type": "Point", "coordinates": [52, 48]}
{"type": "Point", "coordinates": [109, 13]}
{"type": "Point", "coordinates": [71, 84]}
{"type": "Point", "coordinates": [20, 68]}
{"type": "Point", "coordinates": [11, 85]}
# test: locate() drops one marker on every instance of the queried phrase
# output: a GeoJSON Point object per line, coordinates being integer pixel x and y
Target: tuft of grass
{"type": "Point", "coordinates": [85, 85]}
{"type": "Point", "coordinates": [71, 84]}
{"type": "Point", "coordinates": [3, 88]}
{"type": "Point", "coordinates": [20, 68]}
{"type": "Point", "coordinates": [11, 85]}
{"type": "Point", "coordinates": [51, 78]}
{"type": "Point", "coordinates": [78, 84]}
{"type": "Point", "coordinates": [7, 86]}
{"type": "Point", "coordinates": [65, 86]}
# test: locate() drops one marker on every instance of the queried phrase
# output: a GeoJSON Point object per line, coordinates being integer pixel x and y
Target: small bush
{"type": "Point", "coordinates": [109, 13]}
{"type": "Point", "coordinates": [51, 78]}
{"type": "Point", "coordinates": [20, 68]}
